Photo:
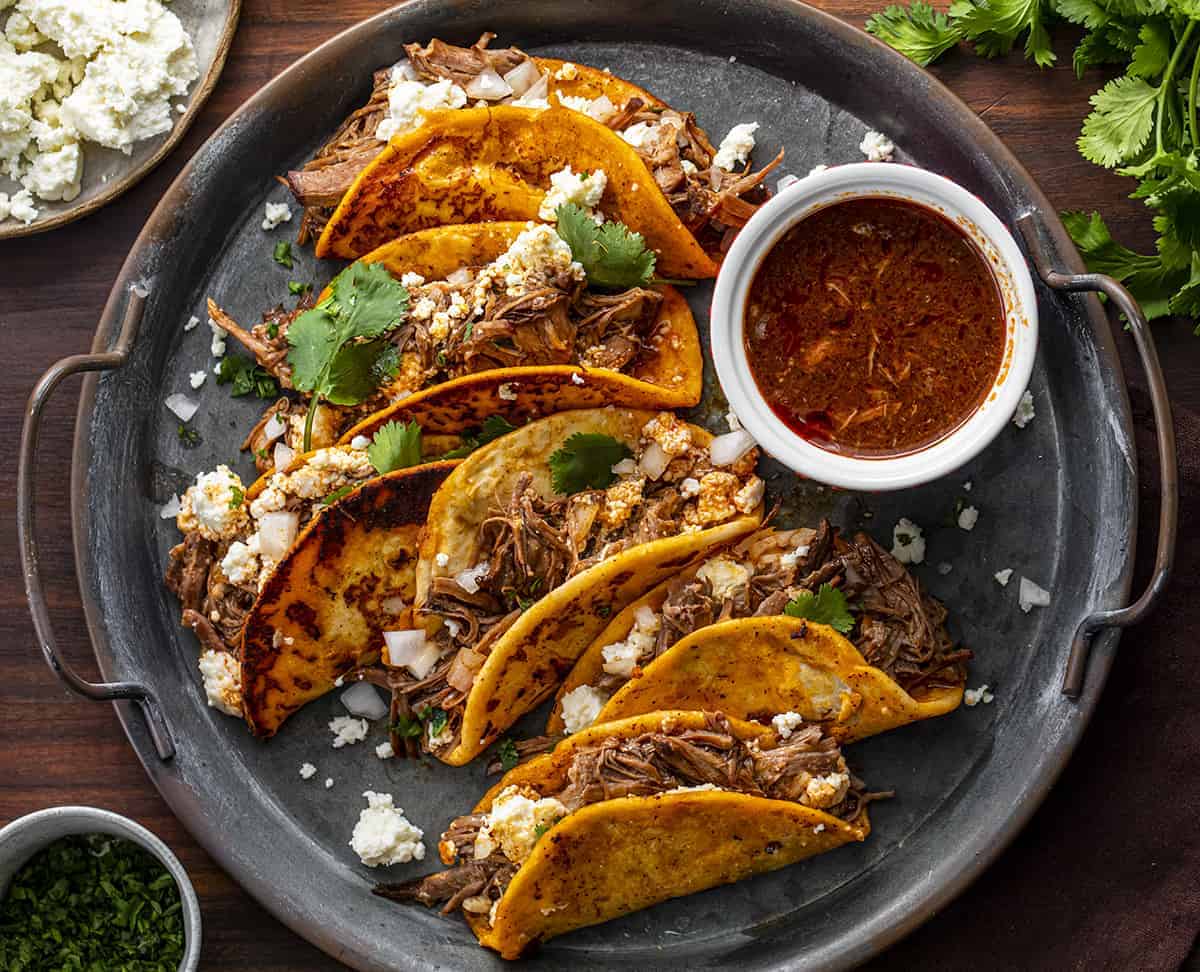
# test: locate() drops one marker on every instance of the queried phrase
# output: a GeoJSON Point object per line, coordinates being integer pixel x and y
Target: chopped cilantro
{"type": "Point", "coordinates": [508, 753]}
{"type": "Point", "coordinates": [540, 830]}
{"type": "Point", "coordinates": [246, 377]}
{"type": "Point", "coordinates": [283, 254]}
{"type": "Point", "coordinates": [604, 610]}
{"type": "Point", "coordinates": [336, 495]}
{"type": "Point", "coordinates": [585, 461]}
{"type": "Point", "coordinates": [436, 720]}
{"type": "Point", "coordinates": [189, 437]}
{"type": "Point", "coordinates": [493, 427]}
{"type": "Point", "coordinates": [273, 330]}
{"type": "Point", "coordinates": [261, 454]}
{"type": "Point", "coordinates": [396, 445]}
{"type": "Point", "coordinates": [612, 256]}
{"type": "Point", "coordinates": [296, 288]}
{"type": "Point", "coordinates": [236, 496]}
{"type": "Point", "coordinates": [827, 606]}
{"type": "Point", "coordinates": [407, 727]}
{"type": "Point", "coordinates": [339, 351]}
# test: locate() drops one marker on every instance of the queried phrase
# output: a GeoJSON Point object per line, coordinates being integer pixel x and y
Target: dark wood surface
{"type": "Point", "coordinates": [55, 748]}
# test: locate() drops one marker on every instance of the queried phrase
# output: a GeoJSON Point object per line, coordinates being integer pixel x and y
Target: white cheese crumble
{"type": "Point", "coordinates": [222, 681]}
{"type": "Point", "coordinates": [583, 189]}
{"type": "Point", "coordinates": [170, 509]}
{"type": "Point", "coordinates": [973, 697]}
{"type": "Point", "coordinates": [967, 518]}
{"type": "Point", "coordinates": [507, 392]}
{"type": "Point", "coordinates": [1025, 412]}
{"type": "Point", "coordinates": [383, 835]}
{"type": "Point", "coordinates": [408, 100]}
{"type": "Point", "coordinates": [513, 822]}
{"type": "Point", "coordinates": [698, 788]}
{"type": "Point", "coordinates": [193, 322]}
{"type": "Point", "coordinates": [786, 723]}
{"type": "Point", "coordinates": [725, 576]}
{"type": "Point", "coordinates": [197, 378]}
{"type": "Point", "coordinates": [580, 707]}
{"type": "Point", "coordinates": [1003, 576]}
{"type": "Point", "coordinates": [575, 102]}
{"type": "Point", "coordinates": [329, 782]}
{"type": "Point", "coordinates": [218, 339]}
{"type": "Point", "coordinates": [908, 542]}
{"type": "Point", "coordinates": [212, 506]}
{"type": "Point", "coordinates": [621, 657]}
{"type": "Point", "coordinates": [877, 147]}
{"type": "Point", "coordinates": [442, 559]}
{"type": "Point", "coordinates": [275, 214]}
{"type": "Point", "coordinates": [20, 206]}
{"type": "Point", "coordinates": [1030, 595]}
{"type": "Point", "coordinates": [307, 771]}
{"type": "Point", "coordinates": [347, 730]}
{"type": "Point", "coordinates": [736, 147]}
{"type": "Point", "coordinates": [385, 750]}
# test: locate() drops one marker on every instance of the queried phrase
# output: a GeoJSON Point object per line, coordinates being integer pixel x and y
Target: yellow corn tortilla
{"type": "Point", "coordinates": [528, 660]}
{"type": "Point", "coordinates": [610, 858]}
{"type": "Point", "coordinates": [669, 378]}
{"type": "Point", "coordinates": [470, 165]}
{"type": "Point", "coordinates": [326, 594]}
{"type": "Point", "coordinates": [755, 668]}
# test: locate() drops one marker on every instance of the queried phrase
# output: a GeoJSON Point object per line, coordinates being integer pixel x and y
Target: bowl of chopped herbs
{"type": "Point", "coordinates": [82, 888]}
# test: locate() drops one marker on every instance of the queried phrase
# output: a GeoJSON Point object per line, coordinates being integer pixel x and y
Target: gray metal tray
{"type": "Point", "coordinates": [1058, 502]}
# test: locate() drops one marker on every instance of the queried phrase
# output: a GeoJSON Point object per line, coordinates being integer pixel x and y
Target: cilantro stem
{"type": "Point", "coordinates": [1192, 99]}
{"type": "Point", "coordinates": [1164, 87]}
{"type": "Point", "coordinates": [308, 422]}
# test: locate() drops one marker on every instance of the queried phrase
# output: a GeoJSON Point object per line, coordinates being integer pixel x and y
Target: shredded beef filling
{"type": "Point", "coordinates": [645, 765]}
{"type": "Point", "coordinates": [713, 203]}
{"type": "Point", "coordinates": [212, 607]}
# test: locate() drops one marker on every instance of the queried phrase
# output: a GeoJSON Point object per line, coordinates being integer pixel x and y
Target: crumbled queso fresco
{"type": "Point", "coordinates": [222, 681]}
{"type": "Point", "coordinates": [383, 835]}
{"type": "Point", "coordinates": [347, 730]}
{"type": "Point", "coordinates": [908, 542]}
{"type": "Point", "coordinates": [584, 189]}
{"type": "Point", "coordinates": [75, 71]}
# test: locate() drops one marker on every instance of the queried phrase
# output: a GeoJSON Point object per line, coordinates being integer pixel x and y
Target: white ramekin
{"type": "Point", "coordinates": [779, 215]}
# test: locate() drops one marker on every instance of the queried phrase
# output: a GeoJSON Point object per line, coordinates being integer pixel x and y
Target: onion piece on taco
{"type": "Point", "coordinates": [784, 621]}
{"type": "Point", "coordinates": [625, 815]}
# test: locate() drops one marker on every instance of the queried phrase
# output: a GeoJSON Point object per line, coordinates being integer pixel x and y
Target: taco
{"type": "Point", "coordinates": [743, 631]}
{"type": "Point", "coordinates": [531, 118]}
{"type": "Point", "coordinates": [499, 323]}
{"type": "Point", "coordinates": [622, 816]}
{"type": "Point", "coordinates": [535, 542]}
{"type": "Point", "coordinates": [288, 583]}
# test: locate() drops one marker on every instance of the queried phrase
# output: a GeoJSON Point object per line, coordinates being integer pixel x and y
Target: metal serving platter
{"type": "Point", "coordinates": [1057, 502]}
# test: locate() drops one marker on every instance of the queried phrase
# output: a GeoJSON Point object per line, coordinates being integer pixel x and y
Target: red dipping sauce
{"type": "Point", "coordinates": [874, 327]}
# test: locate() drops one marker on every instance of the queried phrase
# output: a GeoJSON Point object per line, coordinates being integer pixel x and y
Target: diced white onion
{"type": "Point", "coordinates": [469, 579]}
{"type": "Point", "coordinates": [393, 605]}
{"type": "Point", "coordinates": [283, 456]}
{"type": "Point", "coordinates": [462, 671]}
{"type": "Point", "coordinates": [459, 277]}
{"type": "Point", "coordinates": [1031, 595]}
{"type": "Point", "coordinates": [361, 700]}
{"type": "Point", "coordinates": [182, 406]}
{"type": "Point", "coordinates": [360, 442]}
{"type": "Point", "coordinates": [411, 650]}
{"type": "Point", "coordinates": [785, 180]}
{"type": "Point", "coordinates": [644, 616]}
{"type": "Point", "coordinates": [488, 85]}
{"type": "Point", "coordinates": [626, 467]}
{"type": "Point", "coordinates": [170, 509]}
{"type": "Point", "coordinates": [276, 531]}
{"type": "Point", "coordinates": [274, 428]}
{"type": "Point", "coordinates": [654, 460]}
{"type": "Point", "coordinates": [538, 90]}
{"type": "Point", "coordinates": [601, 108]}
{"type": "Point", "coordinates": [522, 77]}
{"type": "Point", "coordinates": [727, 449]}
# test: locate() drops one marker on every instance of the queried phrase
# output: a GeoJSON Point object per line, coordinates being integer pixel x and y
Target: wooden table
{"type": "Point", "coordinates": [55, 748]}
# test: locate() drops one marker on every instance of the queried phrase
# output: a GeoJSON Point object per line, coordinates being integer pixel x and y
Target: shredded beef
{"type": "Point", "coordinates": [462, 65]}
{"type": "Point", "coordinates": [645, 765]}
{"type": "Point", "coordinates": [187, 570]}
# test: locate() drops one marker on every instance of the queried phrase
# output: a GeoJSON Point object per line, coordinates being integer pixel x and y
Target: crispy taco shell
{"type": "Point", "coordinates": [479, 164]}
{"type": "Point", "coordinates": [610, 858]}
{"type": "Point", "coordinates": [528, 660]}
{"type": "Point", "coordinates": [754, 668]}
{"type": "Point", "coordinates": [320, 612]}
{"type": "Point", "coordinates": [669, 378]}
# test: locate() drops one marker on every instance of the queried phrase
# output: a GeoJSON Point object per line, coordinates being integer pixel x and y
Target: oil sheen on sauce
{"type": "Point", "coordinates": [874, 327]}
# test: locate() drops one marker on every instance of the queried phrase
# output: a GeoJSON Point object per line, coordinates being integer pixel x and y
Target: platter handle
{"type": "Point", "coordinates": [30, 561]}
{"type": "Point", "coordinates": [1168, 513]}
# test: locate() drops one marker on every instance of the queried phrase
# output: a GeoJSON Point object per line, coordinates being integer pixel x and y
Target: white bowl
{"type": "Point", "coordinates": [779, 215]}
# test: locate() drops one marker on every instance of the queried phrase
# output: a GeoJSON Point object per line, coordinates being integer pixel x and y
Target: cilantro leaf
{"type": "Point", "coordinates": [336, 495]}
{"type": "Point", "coordinates": [585, 461]}
{"type": "Point", "coordinates": [827, 606]}
{"type": "Point", "coordinates": [1151, 281]}
{"type": "Point", "coordinates": [395, 445]}
{"type": "Point", "coordinates": [283, 254]}
{"type": "Point", "coordinates": [246, 377]}
{"type": "Point", "coordinates": [1120, 124]}
{"type": "Point", "coordinates": [493, 427]}
{"type": "Point", "coordinates": [437, 720]}
{"type": "Point", "coordinates": [338, 349]}
{"type": "Point", "coordinates": [996, 25]}
{"type": "Point", "coordinates": [918, 31]}
{"type": "Point", "coordinates": [612, 256]}
{"type": "Point", "coordinates": [1153, 51]}
{"type": "Point", "coordinates": [296, 288]}
{"type": "Point", "coordinates": [406, 727]}
{"type": "Point", "coordinates": [508, 753]}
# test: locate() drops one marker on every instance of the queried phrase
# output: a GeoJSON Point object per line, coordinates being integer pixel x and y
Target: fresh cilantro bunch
{"type": "Point", "coordinates": [612, 256]}
{"type": "Point", "coordinates": [827, 606]}
{"type": "Point", "coordinates": [339, 349]}
{"type": "Point", "coordinates": [585, 461]}
{"type": "Point", "coordinates": [1143, 124]}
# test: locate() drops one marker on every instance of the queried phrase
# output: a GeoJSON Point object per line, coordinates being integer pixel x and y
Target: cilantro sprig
{"type": "Point", "coordinates": [612, 256]}
{"type": "Point", "coordinates": [1143, 123]}
{"type": "Point", "coordinates": [827, 606]}
{"type": "Point", "coordinates": [396, 445]}
{"type": "Point", "coordinates": [339, 351]}
{"type": "Point", "coordinates": [246, 377]}
{"type": "Point", "coordinates": [508, 754]}
{"type": "Point", "coordinates": [585, 461]}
